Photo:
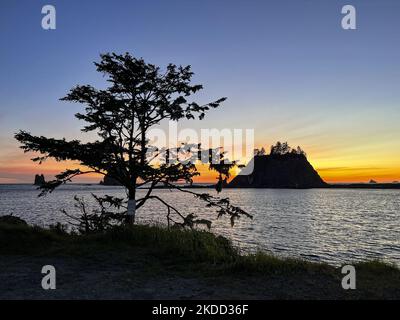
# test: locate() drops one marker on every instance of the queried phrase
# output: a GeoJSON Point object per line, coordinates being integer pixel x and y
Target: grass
{"type": "Point", "coordinates": [176, 245]}
{"type": "Point", "coordinates": [183, 244]}
{"type": "Point", "coordinates": [154, 252]}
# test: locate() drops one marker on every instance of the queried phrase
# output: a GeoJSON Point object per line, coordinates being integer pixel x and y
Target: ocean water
{"type": "Point", "coordinates": [329, 225]}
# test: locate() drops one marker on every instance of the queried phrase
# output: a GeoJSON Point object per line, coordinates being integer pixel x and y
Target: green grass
{"type": "Point", "coordinates": [174, 246]}
{"type": "Point", "coordinates": [187, 245]}
{"type": "Point", "coordinates": [151, 252]}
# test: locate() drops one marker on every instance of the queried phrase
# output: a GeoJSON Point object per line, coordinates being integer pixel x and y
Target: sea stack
{"type": "Point", "coordinates": [39, 180]}
{"type": "Point", "coordinates": [286, 168]}
{"type": "Point", "coordinates": [110, 181]}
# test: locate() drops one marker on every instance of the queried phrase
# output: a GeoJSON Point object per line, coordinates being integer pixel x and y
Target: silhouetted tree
{"type": "Point", "coordinates": [301, 151]}
{"type": "Point", "coordinates": [278, 148]}
{"type": "Point", "coordinates": [139, 97]}
{"type": "Point", "coordinates": [283, 148]}
{"type": "Point", "coordinates": [259, 152]}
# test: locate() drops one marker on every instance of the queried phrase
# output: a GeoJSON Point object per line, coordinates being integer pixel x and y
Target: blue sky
{"type": "Point", "coordinates": [287, 67]}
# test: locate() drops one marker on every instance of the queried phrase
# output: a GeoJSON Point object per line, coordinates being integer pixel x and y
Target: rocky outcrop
{"type": "Point", "coordinates": [289, 170]}
{"type": "Point", "coordinates": [109, 181]}
{"type": "Point", "coordinates": [39, 180]}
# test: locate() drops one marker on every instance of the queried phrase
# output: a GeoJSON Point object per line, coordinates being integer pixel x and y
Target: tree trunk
{"type": "Point", "coordinates": [131, 211]}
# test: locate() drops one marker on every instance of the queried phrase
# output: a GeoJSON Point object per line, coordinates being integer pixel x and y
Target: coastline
{"type": "Point", "coordinates": [156, 263]}
{"type": "Point", "coordinates": [207, 186]}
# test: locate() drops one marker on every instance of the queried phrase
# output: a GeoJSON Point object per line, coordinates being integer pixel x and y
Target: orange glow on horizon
{"type": "Point", "coordinates": [331, 168]}
{"type": "Point", "coordinates": [26, 173]}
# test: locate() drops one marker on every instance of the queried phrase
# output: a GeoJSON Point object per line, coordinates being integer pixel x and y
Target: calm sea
{"type": "Point", "coordinates": [330, 225]}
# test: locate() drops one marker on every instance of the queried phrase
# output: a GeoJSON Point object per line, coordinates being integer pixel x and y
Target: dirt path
{"type": "Point", "coordinates": [117, 277]}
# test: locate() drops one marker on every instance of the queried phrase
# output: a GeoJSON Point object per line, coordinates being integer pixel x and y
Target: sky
{"type": "Point", "coordinates": [288, 68]}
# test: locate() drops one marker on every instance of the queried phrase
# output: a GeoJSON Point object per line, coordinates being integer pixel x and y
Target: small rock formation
{"type": "Point", "coordinates": [109, 181]}
{"type": "Point", "coordinates": [280, 169]}
{"type": "Point", "coordinates": [372, 181]}
{"type": "Point", "coordinates": [39, 180]}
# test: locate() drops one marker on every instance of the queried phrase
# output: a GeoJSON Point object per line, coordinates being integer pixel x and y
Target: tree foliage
{"type": "Point", "coordinates": [283, 148]}
{"type": "Point", "coordinates": [139, 96]}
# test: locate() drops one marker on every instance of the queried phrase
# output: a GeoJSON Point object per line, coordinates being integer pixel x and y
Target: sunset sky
{"type": "Point", "coordinates": [289, 70]}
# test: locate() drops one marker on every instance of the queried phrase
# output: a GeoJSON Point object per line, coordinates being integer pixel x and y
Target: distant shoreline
{"type": "Point", "coordinates": [385, 186]}
{"type": "Point", "coordinates": [365, 186]}
{"type": "Point", "coordinates": [340, 186]}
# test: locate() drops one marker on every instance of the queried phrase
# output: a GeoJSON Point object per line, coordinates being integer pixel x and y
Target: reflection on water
{"type": "Point", "coordinates": [331, 225]}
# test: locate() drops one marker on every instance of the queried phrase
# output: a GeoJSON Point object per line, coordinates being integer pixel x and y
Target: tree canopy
{"type": "Point", "coordinates": [139, 96]}
{"type": "Point", "coordinates": [283, 148]}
